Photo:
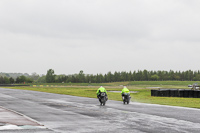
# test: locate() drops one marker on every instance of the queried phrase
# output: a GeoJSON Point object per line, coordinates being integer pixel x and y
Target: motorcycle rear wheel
{"type": "Point", "coordinates": [128, 101]}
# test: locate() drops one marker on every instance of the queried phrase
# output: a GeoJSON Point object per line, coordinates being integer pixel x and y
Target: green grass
{"type": "Point", "coordinates": [75, 91]}
{"type": "Point", "coordinates": [143, 95]}
{"type": "Point", "coordinates": [174, 83]}
{"type": "Point", "coordinates": [130, 83]}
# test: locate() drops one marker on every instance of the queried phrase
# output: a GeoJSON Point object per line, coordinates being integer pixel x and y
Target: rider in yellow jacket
{"type": "Point", "coordinates": [125, 90]}
{"type": "Point", "coordinates": [101, 89]}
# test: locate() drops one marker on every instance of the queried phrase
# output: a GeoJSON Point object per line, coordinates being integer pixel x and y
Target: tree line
{"type": "Point", "coordinates": [18, 80]}
{"type": "Point", "coordinates": [139, 75]}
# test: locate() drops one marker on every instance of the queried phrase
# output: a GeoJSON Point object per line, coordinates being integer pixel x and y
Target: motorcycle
{"type": "Point", "coordinates": [102, 98]}
{"type": "Point", "coordinates": [126, 98]}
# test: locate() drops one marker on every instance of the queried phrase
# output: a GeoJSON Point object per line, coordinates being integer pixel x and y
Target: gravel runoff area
{"type": "Point", "coordinates": [12, 121]}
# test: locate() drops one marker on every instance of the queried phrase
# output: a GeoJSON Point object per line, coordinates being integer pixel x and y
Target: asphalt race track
{"type": "Point", "coordinates": [66, 114]}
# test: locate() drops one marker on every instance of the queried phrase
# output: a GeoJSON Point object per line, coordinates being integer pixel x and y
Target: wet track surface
{"type": "Point", "coordinates": [65, 114]}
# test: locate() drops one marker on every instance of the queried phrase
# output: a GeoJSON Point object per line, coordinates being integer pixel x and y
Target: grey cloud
{"type": "Point", "coordinates": [122, 35]}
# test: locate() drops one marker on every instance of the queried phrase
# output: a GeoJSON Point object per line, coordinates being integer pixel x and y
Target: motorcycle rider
{"type": "Point", "coordinates": [125, 90]}
{"type": "Point", "coordinates": [101, 89]}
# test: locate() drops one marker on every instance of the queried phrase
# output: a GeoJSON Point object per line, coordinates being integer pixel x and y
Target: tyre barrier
{"type": "Point", "coordinates": [176, 93]}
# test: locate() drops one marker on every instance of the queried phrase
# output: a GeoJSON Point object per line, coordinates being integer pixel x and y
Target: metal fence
{"type": "Point", "coordinates": [10, 85]}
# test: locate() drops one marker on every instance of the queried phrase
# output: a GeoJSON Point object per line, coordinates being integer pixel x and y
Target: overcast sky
{"type": "Point", "coordinates": [98, 36]}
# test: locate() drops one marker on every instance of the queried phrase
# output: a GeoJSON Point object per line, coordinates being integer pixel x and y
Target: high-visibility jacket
{"type": "Point", "coordinates": [102, 89]}
{"type": "Point", "coordinates": [125, 90]}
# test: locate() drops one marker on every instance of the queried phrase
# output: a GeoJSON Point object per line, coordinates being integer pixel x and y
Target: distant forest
{"type": "Point", "coordinates": [51, 77]}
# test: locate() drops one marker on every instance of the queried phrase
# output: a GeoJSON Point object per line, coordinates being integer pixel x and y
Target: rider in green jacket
{"type": "Point", "coordinates": [125, 90]}
{"type": "Point", "coordinates": [101, 89]}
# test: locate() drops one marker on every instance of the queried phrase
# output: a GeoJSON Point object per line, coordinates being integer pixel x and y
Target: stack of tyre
{"type": "Point", "coordinates": [176, 93]}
